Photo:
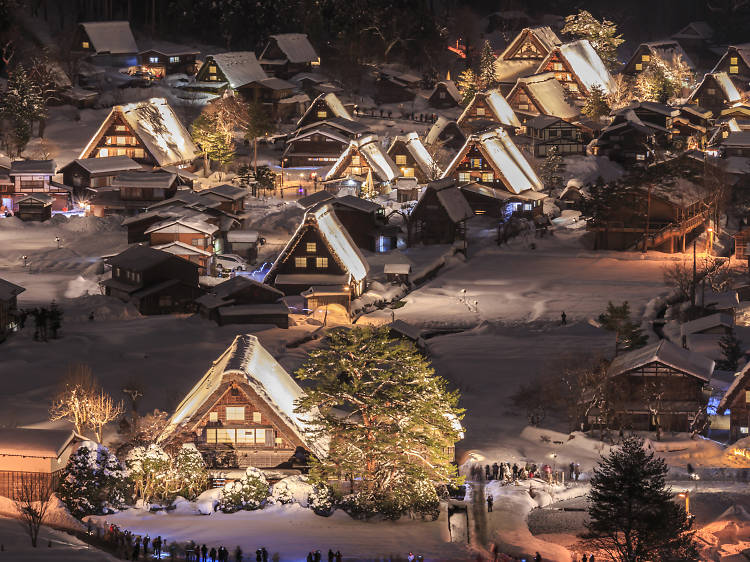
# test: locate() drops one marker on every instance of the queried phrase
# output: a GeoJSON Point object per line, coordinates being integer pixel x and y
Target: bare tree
{"type": "Point", "coordinates": [103, 410]}
{"type": "Point", "coordinates": [32, 501]}
{"type": "Point", "coordinates": [653, 394]}
{"type": "Point", "coordinates": [73, 401]}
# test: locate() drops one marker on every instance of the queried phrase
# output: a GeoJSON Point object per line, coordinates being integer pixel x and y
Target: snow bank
{"type": "Point", "coordinates": [206, 503]}
{"type": "Point", "coordinates": [57, 514]}
{"type": "Point", "coordinates": [292, 489]}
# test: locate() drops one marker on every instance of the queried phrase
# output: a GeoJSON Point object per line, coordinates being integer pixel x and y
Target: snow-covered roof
{"type": "Point", "coordinates": [707, 322]}
{"type": "Point", "coordinates": [723, 300]}
{"type": "Point", "coordinates": [334, 104]}
{"type": "Point", "coordinates": [668, 49]}
{"type": "Point", "coordinates": [315, 198]}
{"type": "Point", "coordinates": [451, 198]}
{"type": "Point", "coordinates": [499, 106]}
{"type": "Point", "coordinates": [723, 81]}
{"type": "Point", "coordinates": [157, 126]}
{"type": "Point", "coordinates": [450, 87]}
{"type": "Point", "coordinates": [113, 37]}
{"type": "Point", "coordinates": [9, 290]}
{"type": "Point", "coordinates": [257, 368]}
{"type": "Point", "coordinates": [418, 152]}
{"type": "Point", "coordinates": [33, 167]}
{"type": "Point", "coordinates": [180, 249]}
{"type": "Point", "coordinates": [225, 191]}
{"type": "Point", "coordinates": [437, 129]}
{"type": "Point", "coordinates": [336, 238]}
{"type": "Point", "coordinates": [189, 224]}
{"type": "Point", "coordinates": [369, 147]}
{"type": "Point", "coordinates": [43, 198]}
{"type": "Point", "coordinates": [106, 164]}
{"type": "Point", "coordinates": [397, 268]}
{"type": "Point", "coordinates": [585, 64]}
{"type": "Point", "coordinates": [356, 203]}
{"type": "Point", "coordinates": [505, 158]}
{"type": "Point", "coordinates": [737, 139]}
{"type": "Point", "coordinates": [544, 34]}
{"type": "Point", "coordinates": [666, 353]}
{"type": "Point", "coordinates": [508, 71]}
{"type": "Point", "coordinates": [548, 93]}
{"type": "Point", "coordinates": [695, 30]}
{"type": "Point", "coordinates": [239, 67]}
{"type": "Point", "coordinates": [32, 442]}
{"type": "Point", "coordinates": [157, 179]}
{"type": "Point", "coordinates": [247, 236]}
{"type": "Point", "coordinates": [739, 383]}
{"type": "Point", "coordinates": [296, 47]}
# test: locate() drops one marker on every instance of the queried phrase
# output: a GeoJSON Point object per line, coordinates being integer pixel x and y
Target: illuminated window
{"type": "Point", "coordinates": [464, 177]}
{"type": "Point", "coordinates": [488, 176]}
{"type": "Point", "coordinates": [321, 263]}
{"type": "Point", "coordinates": [645, 58]}
{"type": "Point", "coordinates": [213, 77]}
{"type": "Point", "coordinates": [311, 247]}
{"type": "Point", "coordinates": [638, 66]}
{"type": "Point", "coordinates": [153, 59]}
{"type": "Point", "coordinates": [225, 435]}
{"type": "Point", "coordinates": [212, 69]}
{"type": "Point", "coordinates": [119, 128]}
{"type": "Point", "coordinates": [743, 429]}
{"type": "Point", "coordinates": [122, 152]}
{"type": "Point", "coordinates": [733, 60]}
{"type": "Point", "coordinates": [400, 159]}
{"type": "Point", "coordinates": [711, 91]}
{"type": "Point", "coordinates": [734, 70]}
{"type": "Point", "coordinates": [120, 140]}
{"type": "Point", "coordinates": [213, 416]}
{"type": "Point", "coordinates": [356, 170]}
{"type": "Point", "coordinates": [174, 59]}
{"type": "Point", "coordinates": [573, 87]}
{"type": "Point", "coordinates": [356, 160]}
{"type": "Point", "coordinates": [408, 172]}
{"type": "Point", "coordinates": [640, 156]}
{"type": "Point", "coordinates": [235, 413]}
{"type": "Point", "coordinates": [475, 162]}
{"type": "Point", "coordinates": [103, 153]}
{"type": "Point", "coordinates": [747, 396]}
{"type": "Point", "coordinates": [523, 106]}
{"type": "Point", "coordinates": [441, 95]}
{"type": "Point", "coordinates": [480, 111]}
{"type": "Point", "coordinates": [256, 417]}
{"type": "Point", "coordinates": [557, 66]}
{"type": "Point", "coordinates": [138, 153]}
{"type": "Point", "coordinates": [300, 262]}
{"type": "Point", "coordinates": [322, 114]}
{"type": "Point", "coordinates": [725, 134]}
{"type": "Point", "coordinates": [85, 45]}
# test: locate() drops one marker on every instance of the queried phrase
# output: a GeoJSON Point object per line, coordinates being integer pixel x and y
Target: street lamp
{"type": "Point", "coordinates": [686, 496]}
{"type": "Point", "coordinates": [59, 242]}
{"type": "Point", "coordinates": [709, 239]}
{"type": "Point", "coordinates": [25, 260]}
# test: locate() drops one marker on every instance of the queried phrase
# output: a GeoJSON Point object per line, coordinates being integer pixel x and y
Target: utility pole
{"type": "Point", "coordinates": [692, 285]}
{"type": "Point", "coordinates": [648, 214]}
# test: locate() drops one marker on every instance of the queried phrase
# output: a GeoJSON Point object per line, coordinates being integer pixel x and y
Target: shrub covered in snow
{"type": "Point", "coordinates": [416, 497]}
{"type": "Point", "coordinates": [249, 492]}
{"type": "Point", "coordinates": [292, 489]}
{"type": "Point", "coordinates": [157, 476]}
{"type": "Point", "coordinates": [93, 480]}
{"type": "Point", "coordinates": [320, 499]}
{"type": "Point", "coordinates": [189, 472]}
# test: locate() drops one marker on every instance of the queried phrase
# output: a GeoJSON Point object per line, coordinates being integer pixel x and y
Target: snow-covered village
{"type": "Point", "coordinates": [382, 280]}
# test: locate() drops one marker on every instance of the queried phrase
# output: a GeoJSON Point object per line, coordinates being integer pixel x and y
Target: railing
{"type": "Point", "coordinates": [669, 230]}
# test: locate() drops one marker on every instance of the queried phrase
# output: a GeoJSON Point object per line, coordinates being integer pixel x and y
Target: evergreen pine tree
{"type": "Point", "coordinates": [92, 480]}
{"type": "Point", "coordinates": [617, 319]}
{"type": "Point", "coordinates": [190, 473]}
{"type": "Point", "coordinates": [602, 35]}
{"type": "Point", "coordinates": [632, 512]}
{"type": "Point", "coordinates": [20, 106]}
{"type": "Point", "coordinates": [731, 350]}
{"type": "Point", "coordinates": [467, 85]}
{"type": "Point", "coordinates": [552, 168]}
{"type": "Point", "coordinates": [487, 74]}
{"type": "Point", "coordinates": [596, 105]}
{"type": "Point", "coordinates": [258, 124]}
{"type": "Point", "coordinates": [400, 418]}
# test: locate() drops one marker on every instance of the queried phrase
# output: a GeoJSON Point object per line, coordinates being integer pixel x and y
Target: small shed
{"type": "Point", "coordinates": [323, 296]}
{"type": "Point", "coordinates": [35, 207]}
{"type": "Point", "coordinates": [244, 243]}
{"type": "Point", "coordinates": [397, 273]}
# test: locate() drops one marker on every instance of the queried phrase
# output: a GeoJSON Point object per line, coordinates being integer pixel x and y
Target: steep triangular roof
{"type": "Point", "coordinates": [450, 197]}
{"type": "Point", "coordinates": [547, 93]}
{"type": "Point", "coordinates": [722, 80]}
{"type": "Point", "coordinates": [247, 360]}
{"type": "Point", "coordinates": [336, 238]}
{"type": "Point", "coordinates": [334, 104]}
{"type": "Point", "coordinates": [113, 37]}
{"type": "Point", "coordinates": [742, 49]}
{"type": "Point", "coordinates": [585, 63]}
{"type": "Point", "coordinates": [450, 87]}
{"type": "Point", "coordinates": [695, 30]}
{"type": "Point", "coordinates": [9, 290]}
{"type": "Point", "coordinates": [666, 353]}
{"type": "Point", "coordinates": [369, 147]}
{"type": "Point", "coordinates": [418, 152]}
{"type": "Point", "coordinates": [437, 129]}
{"type": "Point", "coordinates": [504, 157]}
{"type": "Point", "coordinates": [547, 39]}
{"type": "Point", "coordinates": [157, 126]}
{"type": "Point", "coordinates": [741, 382]}
{"type": "Point", "coordinates": [239, 67]}
{"type": "Point", "coordinates": [502, 112]}
{"type": "Point", "coordinates": [296, 47]}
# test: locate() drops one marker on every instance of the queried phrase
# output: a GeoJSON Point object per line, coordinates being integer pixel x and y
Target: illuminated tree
{"type": "Point", "coordinates": [467, 85]}
{"type": "Point", "coordinates": [552, 168]}
{"type": "Point", "coordinates": [663, 79]}
{"type": "Point", "coordinates": [212, 139]}
{"type": "Point", "coordinates": [596, 105]}
{"type": "Point", "coordinates": [72, 402]}
{"type": "Point", "coordinates": [602, 35]}
{"type": "Point", "coordinates": [103, 410]}
{"type": "Point", "coordinates": [487, 74]}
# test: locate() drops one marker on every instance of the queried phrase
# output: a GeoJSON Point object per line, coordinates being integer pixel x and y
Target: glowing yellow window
{"type": "Point", "coordinates": [476, 162]}
{"type": "Point", "coordinates": [356, 170]}
{"type": "Point", "coordinates": [400, 159]}
{"type": "Point", "coordinates": [212, 77]}
{"type": "Point", "coordinates": [256, 417]}
{"type": "Point", "coordinates": [300, 262]}
{"type": "Point", "coordinates": [321, 263]}
{"type": "Point", "coordinates": [139, 153]}
{"type": "Point", "coordinates": [488, 176]}
{"type": "Point", "coordinates": [120, 128]}
{"type": "Point", "coordinates": [322, 114]}
{"type": "Point", "coordinates": [573, 87]}
{"type": "Point", "coordinates": [408, 172]}
{"type": "Point", "coordinates": [212, 69]}
{"type": "Point", "coordinates": [464, 177]}
{"type": "Point", "coordinates": [85, 45]}
{"type": "Point", "coordinates": [733, 60]}
{"type": "Point", "coordinates": [645, 58]}
{"type": "Point", "coordinates": [213, 416]}
{"type": "Point", "coordinates": [356, 160]}
{"type": "Point", "coordinates": [638, 66]}
{"type": "Point", "coordinates": [557, 66]}
{"type": "Point", "coordinates": [311, 247]}
{"type": "Point", "coordinates": [480, 111]}
{"type": "Point", "coordinates": [734, 70]}
{"type": "Point", "coordinates": [725, 134]}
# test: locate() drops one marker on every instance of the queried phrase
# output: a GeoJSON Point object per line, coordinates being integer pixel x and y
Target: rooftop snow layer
{"type": "Point", "coordinates": [240, 67]}
{"type": "Point", "coordinates": [296, 47]}
{"type": "Point", "coordinates": [499, 106]}
{"type": "Point", "coordinates": [113, 37]}
{"type": "Point", "coordinates": [419, 153]}
{"type": "Point", "coordinates": [106, 164]}
{"type": "Point", "coordinates": [9, 290]}
{"type": "Point", "coordinates": [38, 167]}
{"type": "Point", "coordinates": [334, 104]}
{"type": "Point", "coordinates": [28, 442]}
{"type": "Point", "coordinates": [549, 95]}
{"type": "Point", "coordinates": [381, 164]}
{"type": "Point", "coordinates": [698, 325]}
{"type": "Point", "coordinates": [154, 180]}
{"type": "Point", "coordinates": [668, 354]}
{"type": "Point", "coordinates": [586, 65]}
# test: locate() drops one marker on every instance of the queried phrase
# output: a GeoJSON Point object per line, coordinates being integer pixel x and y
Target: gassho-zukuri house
{"type": "Point", "coordinates": [241, 413]}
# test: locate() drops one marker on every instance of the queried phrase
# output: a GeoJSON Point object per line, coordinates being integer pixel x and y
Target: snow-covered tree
{"type": "Point", "coordinates": [20, 106]}
{"type": "Point", "coordinates": [663, 80]}
{"type": "Point", "coordinates": [212, 140]}
{"type": "Point", "coordinates": [617, 319]}
{"type": "Point", "coordinates": [552, 168]}
{"type": "Point", "coordinates": [602, 35]}
{"type": "Point", "coordinates": [487, 73]}
{"type": "Point", "coordinates": [292, 489]}
{"type": "Point", "coordinates": [596, 105]}
{"type": "Point", "coordinates": [632, 512]}
{"type": "Point", "coordinates": [149, 471]}
{"type": "Point", "coordinates": [467, 85]}
{"type": "Point", "coordinates": [92, 481]}
{"type": "Point", "coordinates": [190, 477]}
{"type": "Point", "coordinates": [320, 499]}
{"type": "Point", "coordinates": [249, 492]}
{"type": "Point", "coordinates": [400, 418]}
{"type": "Point", "coordinates": [731, 350]}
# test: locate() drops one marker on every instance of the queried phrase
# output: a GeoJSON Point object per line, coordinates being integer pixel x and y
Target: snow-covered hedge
{"type": "Point", "coordinates": [249, 492]}
{"type": "Point", "coordinates": [292, 489]}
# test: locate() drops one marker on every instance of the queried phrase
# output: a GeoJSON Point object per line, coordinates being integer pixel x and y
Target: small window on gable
{"type": "Point", "coordinates": [300, 263]}
{"type": "Point", "coordinates": [400, 159]}
{"type": "Point", "coordinates": [212, 69]}
{"type": "Point", "coordinates": [322, 114]}
{"type": "Point", "coordinates": [638, 66]}
{"type": "Point", "coordinates": [557, 66]}
{"type": "Point", "coordinates": [257, 418]}
{"type": "Point", "coordinates": [441, 95]}
{"type": "Point", "coordinates": [464, 177]}
{"type": "Point", "coordinates": [85, 45]}
{"type": "Point", "coordinates": [311, 247]}
{"type": "Point", "coordinates": [747, 396]}
{"type": "Point", "coordinates": [476, 162]}
{"type": "Point", "coordinates": [733, 60]}
{"type": "Point", "coordinates": [213, 416]}
{"type": "Point", "coordinates": [645, 58]}
{"type": "Point", "coordinates": [153, 60]}
{"type": "Point", "coordinates": [174, 59]}
{"type": "Point", "coordinates": [711, 91]}
{"type": "Point", "coordinates": [743, 430]}
{"type": "Point", "coordinates": [488, 176]}
{"type": "Point", "coordinates": [321, 263]}
{"type": "Point", "coordinates": [120, 128]}
{"type": "Point", "coordinates": [235, 413]}
{"type": "Point", "coordinates": [734, 70]}
{"type": "Point", "coordinates": [355, 160]}
{"type": "Point", "coordinates": [480, 111]}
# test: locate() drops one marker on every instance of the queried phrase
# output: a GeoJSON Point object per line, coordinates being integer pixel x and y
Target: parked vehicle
{"type": "Point", "coordinates": [231, 262]}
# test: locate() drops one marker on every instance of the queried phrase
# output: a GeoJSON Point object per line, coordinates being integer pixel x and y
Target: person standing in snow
{"type": "Point", "coordinates": [572, 468]}
{"type": "Point", "coordinates": [577, 471]}
{"type": "Point", "coordinates": [338, 556]}
{"type": "Point", "coordinates": [157, 547]}
{"type": "Point", "coordinates": [410, 558]}
{"type": "Point", "coordinates": [309, 557]}
{"type": "Point", "coordinates": [212, 554]}
{"type": "Point", "coordinates": [264, 553]}
{"type": "Point", "coordinates": [238, 554]}
{"type": "Point", "coordinates": [591, 558]}
{"type": "Point", "coordinates": [486, 472]}
{"type": "Point", "coordinates": [204, 552]}
{"type": "Point", "coordinates": [563, 318]}
{"type": "Point", "coordinates": [490, 501]}
{"type": "Point", "coordinates": [515, 471]}
{"type": "Point", "coordinates": [258, 555]}
{"type": "Point", "coordinates": [538, 557]}
{"type": "Point", "coordinates": [495, 470]}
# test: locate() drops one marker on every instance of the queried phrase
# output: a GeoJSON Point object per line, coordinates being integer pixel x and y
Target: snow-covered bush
{"type": "Point", "coordinates": [149, 469]}
{"type": "Point", "coordinates": [292, 489]}
{"type": "Point", "coordinates": [92, 481]}
{"type": "Point", "coordinates": [189, 472]}
{"type": "Point", "coordinates": [249, 492]}
{"type": "Point", "coordinates": [416, 497]}
{"type": "Point", "coordinates": [320, 500]}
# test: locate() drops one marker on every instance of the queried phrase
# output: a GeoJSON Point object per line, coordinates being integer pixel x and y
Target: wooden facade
{"type": "Point", "coordinates": [546, 132]}
{"type": "Point", "coordinates": [716, 92]}
{"type": "Point", "coordinates": [168, 61]}
{"type": "Point", "coordinates": [314, 148]}
{"type": "Point", "coordinates": [118, 139]}
{"type": "Point", "coordinates": [445, 95]}
{"type": "Point", "coordinates": [33, 177]}
{"type": "Point", "coordinates": [735, 62]}
{"type": "Point", "coordinates": [406, 163]}
{"type": "Point", "coordinates": [34, 208]}
{"type": "Point", "coordinates": [366, 223]}
{"type": "Point", "coordinates": [565, 75]}
{"type": "Point", "coordinates": [531, 44]}
{"type": "Point", "coordinates": [440, 215]}
{"type": "Point", "coordinates": [95, 172]}
{"type": "Point", "coordinates": [737, 401]}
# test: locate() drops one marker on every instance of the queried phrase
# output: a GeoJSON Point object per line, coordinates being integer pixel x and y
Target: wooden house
{"type": "Point", "coordinates": [662, 387]}
{"type": "Point", "coordinates": [321, 253]}
{"type": "Point", "coordinates": [578, 68]}
{"type": "Point", "coordinates": [106, 42]}
{"type": "Point", "coordinates": [697, 39]}
{"type": "Point", "coordinates": [132, 192]}
{"type": "Point", "coordinates": [395, 87]}
{"type": "Point", "coordinates": [323, 108]}
{"type": "Point", "coordinates": [187, 252]}
{"type": "Point", "coordinates": [34, 177]}
{"type": "Point", "coordinates": [736, 143]}
{"type": "Point", "coordinates": [737, 400]}
{"type": "Point", "coordinates": [487, 110]}
{"type": "Point", "coordinates": [719, 324]}
{"type": "Point", "coordinates": [440, 215]}
{"type": "Point", "coordinates": [668, 50]}
{"type": "Point", "coordinates": [149, 132]}
{"type": "Point", "coordinates": [362, 156]}
{"type": "Point", "coordinates": [155, 282]}
{"type": "Point", "coordinates": [167, 58]}
{"type": "Point", "coordinates": [242, 300]}
{"type": "Point", "coordinates": [241, 412]}
{"type": "Point", "coordinates": [656, 116]}
{"type": "Point", "coordinates": [138, 224]}
{"type": "Point", "coordinates": [244, 243]}
{"type": "Point", "coordinates": [412, 158]}
{"type": "Point", "coordinates": [8, 307]}
{"type": "Point", "coordinates": [229, 70]}
{"type": "Point", "coordinates": [34, 207]}
{"type": "Point", "coordinates": [287, 54]}
{"type": "Point", "coordinates": [690, 127]}
{"type": "Point", "coordinates": [445, 133]}
{"type": "Point", "coordinates": [192, 232]}
{"type": "Point", "coordinates": [499, 203]}
{"type": "Point", "coordinates": [626, 140]}
{"type": "Point", "coordinates": [81, 174]}
{"type": "Point", "coordinates": [445, 94]}
{"type": "Point", "coordinates": [736, 63]}
{"type": "Point", "coordinates": [231, 198]}
{"type": "Point", "coordinates": [524, 53]}
{"type": "Point", "coordinates": [493, 160]}
{"type": "Point", "coordinates": [546, 131]}
{"type": "Point", "coordinates": [275, 95]}
{"type": "Point", "coordinates": [315, 147]}
{"type": "Point", "coordinates": [366, 223]}
{"type": "Point", "coordinates": [540, 94]}
{"type": "Point", "coordinates": [33, 457]}
{"type": "Point", "coordinates": [716, 92]}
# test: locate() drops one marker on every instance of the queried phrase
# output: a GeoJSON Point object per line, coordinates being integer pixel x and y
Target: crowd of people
{"type": "Point", "coordinates": [509, 473]}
